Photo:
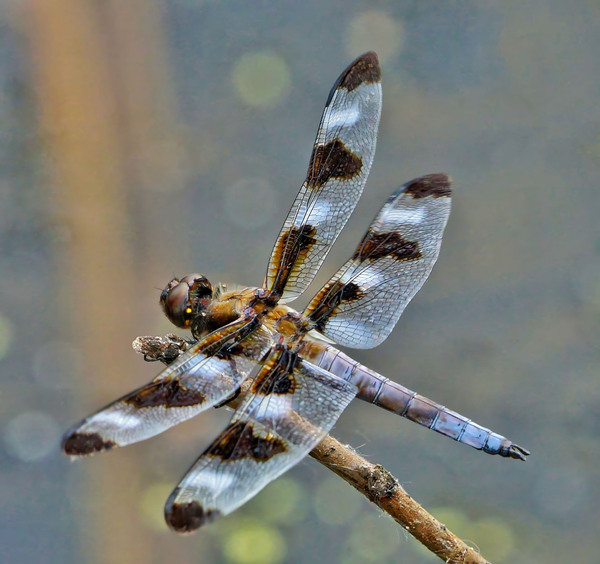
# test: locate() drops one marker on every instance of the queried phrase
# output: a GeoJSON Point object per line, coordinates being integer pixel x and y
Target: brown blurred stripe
{"type": "Point", "coordinates": [100, 78]}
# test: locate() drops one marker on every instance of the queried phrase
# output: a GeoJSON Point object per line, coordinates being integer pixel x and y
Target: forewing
{"type": "Point", "coordinates": [287, 412]}
{"type": "Point", "coordinates": [361, 304]}
{"type": "Point", "coordinates": [338, 169]}
{"type": "Point", "coordinates": [191, 384]}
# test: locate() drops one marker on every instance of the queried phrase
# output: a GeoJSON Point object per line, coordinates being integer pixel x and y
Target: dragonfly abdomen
{"type": "Point", "coordinates": [379, 390]}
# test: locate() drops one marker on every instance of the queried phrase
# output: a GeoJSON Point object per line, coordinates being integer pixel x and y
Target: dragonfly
{"type": "Point", "coordinates": [282, 367]}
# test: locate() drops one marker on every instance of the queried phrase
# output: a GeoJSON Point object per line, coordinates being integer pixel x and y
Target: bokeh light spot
{"type": "Point", "coordinates": [6, 335]}
{"type": "Point", "coordinates": [335, 503]}
{"type": "Point", "coordinates": [250, 202]}
{"type": "Point", "coordinates": [455, 520]}
{"type": "Point", "coordinates": [282, 502]}
{"type": "Point", "coordinates": [377, 31]}
{"type": "Point", "coordinates": [491, 536]}
{"type": "Point", "coordinates": [152, 504]}
{"type": "Point", "coordinates": [372, 539]}
{"type": "Point", "coordinates": [31, 436]}
{"type": "Point", "coordinates": [494, 537]}
{"type": "Point", "coordinates": [261, 79]}
{"type": "Point", "coordinates": [255, 543]}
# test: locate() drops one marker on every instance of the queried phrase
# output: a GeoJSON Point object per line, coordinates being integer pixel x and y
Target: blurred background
{"type": "Point", "coordinates": [145, 139]}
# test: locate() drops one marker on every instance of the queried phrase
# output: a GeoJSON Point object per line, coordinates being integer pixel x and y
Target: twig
{"type": "Point", "coordinates": [383, 489]}
{"type": "Point", "coordinates": [372, 480]}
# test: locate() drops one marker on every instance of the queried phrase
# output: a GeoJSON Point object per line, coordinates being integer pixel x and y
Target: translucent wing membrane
{"type": "Point", "coordinates": [191, 384]}
{"type": "Point", "coordinates": [361, 304]}
{"type": "Point", "coordinates": [291, 406]}
{"type": "Point", "coordinates": [294, 390]}
{"type": "Point", "coordinates": [338, 169]}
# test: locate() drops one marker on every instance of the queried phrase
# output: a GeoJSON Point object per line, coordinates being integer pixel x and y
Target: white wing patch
{"type": "Point", "coordinates": [344, 116]}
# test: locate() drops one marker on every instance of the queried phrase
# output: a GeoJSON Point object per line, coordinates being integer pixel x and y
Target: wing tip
{"type": "Point", "coordinates": [436, 185]}
{"type": "Point", "coordinates": [364, 69]}
{"type": "Point", "coordinates": [187, 517]}
{"type": "Point", "coordinates": [369, 58]}
{"type": "Point", "coordinates": [77, 444]}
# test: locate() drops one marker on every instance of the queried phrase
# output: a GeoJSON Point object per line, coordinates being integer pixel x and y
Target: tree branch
{"type": "Point", "coordinates": [379, 486]}
{"type": "Point", "coordinates": [372, 480]}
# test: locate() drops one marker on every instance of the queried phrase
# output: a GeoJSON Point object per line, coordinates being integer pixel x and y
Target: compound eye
{"type": "Point", "coordinates": [175, 302]}
{"type": "Point", "coordinates": [184, 298]}
{"type": "Point", "coordinates": [165, 293]}
{"type": "Point", "coordinates": [200, 287]}
{"type": "Point", "coordinates": [187, 315]}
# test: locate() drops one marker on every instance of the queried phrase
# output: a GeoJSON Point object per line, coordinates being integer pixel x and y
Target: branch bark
{"type": "Point", "coordinates": [383, 489]}
{"type": "Point", "coordinates": [372, 480]}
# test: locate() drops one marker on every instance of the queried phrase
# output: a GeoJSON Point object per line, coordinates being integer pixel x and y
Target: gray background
{"type": "Point", "coordinates": [142, 140]}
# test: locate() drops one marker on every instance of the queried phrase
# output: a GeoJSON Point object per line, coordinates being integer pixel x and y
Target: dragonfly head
{"type": "Point", "coordinates": [186, 298]}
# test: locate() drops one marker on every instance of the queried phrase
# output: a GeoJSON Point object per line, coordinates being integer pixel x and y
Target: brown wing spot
{"type": "Point", "coordinates": [330, 297]}
{"type": "Point", "coordinates": [80, 444]}
{"type": "Point", "coordinates": [277, 377]}
{"type": "Point", "coordinates": [300, 239]}
{"type": "Point", "coordinates": [380, 245]}
{"type": "Point", "coordinates": [333, 160]}
{"type": "Point", "coordinates": [187, 517]}
{"type": "Point", "coordinates": [435, 185]}
{"type": "Point", "coordinates": [238, 441]}
{"type": "Point", "coordinates": [364, 69]}
{"type": "Point", "coordinates": [281, 383]}
{"type": "Point", "coordinates": [292, 248]}
{"type": "Point", "coordinates": [166, 393]}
